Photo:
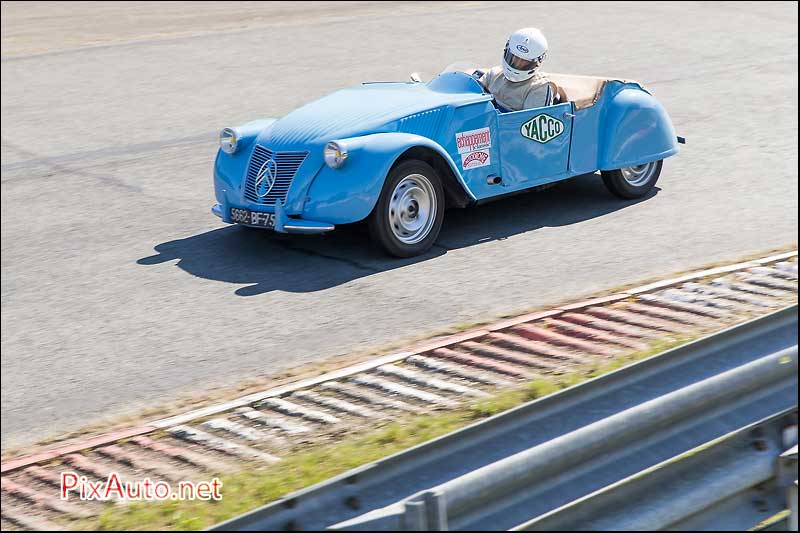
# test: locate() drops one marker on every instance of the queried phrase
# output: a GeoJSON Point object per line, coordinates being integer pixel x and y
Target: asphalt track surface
{"type": "Point", "coordinates": [121, 290]}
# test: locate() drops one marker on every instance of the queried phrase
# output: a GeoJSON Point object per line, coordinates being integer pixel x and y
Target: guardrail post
{"type": "Point", "coordinates": [414, 518]}
{"type": "Point", "coordinates": [787, 475]}
{"type": "Point", "coordinates": [428, 512]}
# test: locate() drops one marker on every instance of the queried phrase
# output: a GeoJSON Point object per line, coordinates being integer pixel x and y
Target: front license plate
{"type": "Point", "coordinates": [254, 218]}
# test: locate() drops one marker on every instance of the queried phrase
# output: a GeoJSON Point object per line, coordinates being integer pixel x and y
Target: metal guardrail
{"type": "Point", "coordinates": [545, 471]}
{"type": "Point", "coordinates": [553, 452]}
{"type": "Point", "coordinates": [723, 486]}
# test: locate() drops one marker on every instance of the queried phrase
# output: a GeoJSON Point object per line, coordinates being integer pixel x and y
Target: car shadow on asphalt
{"type": "Point", "coordinates": [264, 261]}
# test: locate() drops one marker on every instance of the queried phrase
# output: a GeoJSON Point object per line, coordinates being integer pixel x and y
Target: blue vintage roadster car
{"type": "Point", "coordinates": [397, 154]}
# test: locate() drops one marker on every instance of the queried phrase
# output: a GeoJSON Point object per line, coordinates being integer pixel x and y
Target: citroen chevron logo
{"type": "Point", "coordinates": [265, 179]}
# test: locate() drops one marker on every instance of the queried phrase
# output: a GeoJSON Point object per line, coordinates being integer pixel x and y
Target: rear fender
{"type": "Point", "coordinates": [635, 129]}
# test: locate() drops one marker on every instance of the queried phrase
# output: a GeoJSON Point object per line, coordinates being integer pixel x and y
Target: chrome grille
{"type": "Point", "coordinates": [286, 163]}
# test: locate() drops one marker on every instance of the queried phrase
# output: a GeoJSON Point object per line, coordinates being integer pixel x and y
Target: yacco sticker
{"type": "Point", "coordinates": [542, 128]}
{"type": "Point", "coordinates": [469, 141]}
{"type": "Point", "coordinates": [476, 159]}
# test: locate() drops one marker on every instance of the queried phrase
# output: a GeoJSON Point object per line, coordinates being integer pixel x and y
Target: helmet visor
{"type": "Point", "coordinates": [519, 63]}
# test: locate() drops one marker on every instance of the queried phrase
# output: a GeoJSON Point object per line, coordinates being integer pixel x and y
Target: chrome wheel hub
{"type": "Point", "coordinates": [412, 209]}
{"type": "Point", "coordinates": [640, 174]}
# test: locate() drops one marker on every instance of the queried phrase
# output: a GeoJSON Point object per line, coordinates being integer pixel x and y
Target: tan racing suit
{"type": "Point", "coordinates": [515, 96]}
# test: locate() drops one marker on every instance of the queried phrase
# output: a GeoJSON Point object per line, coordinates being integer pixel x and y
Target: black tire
{"type": "Point", "coordinates": [616, 182]}
{"type": "Point", "coordinates": [380, 222]}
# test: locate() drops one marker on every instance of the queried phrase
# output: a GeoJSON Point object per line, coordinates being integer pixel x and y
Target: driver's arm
{"type": "Point", "coordinates": [485, 77]}
{"type": "Point", "coordinates": [556, 92]}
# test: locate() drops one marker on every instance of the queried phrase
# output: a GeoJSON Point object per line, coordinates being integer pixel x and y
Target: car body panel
{"type": "Point", "coordinates": [450, 117]}
{"type": "Point", "coordinates": [342, 197]}
{"type": "Point", "coordinates": [527, 162]}
{"type": "Point", "coordinates": [635, 129]}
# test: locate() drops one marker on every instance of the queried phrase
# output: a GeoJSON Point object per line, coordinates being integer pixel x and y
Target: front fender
{"type": "Point", "coordinates": [635, 130]}
{"type": "Point", "coordinates": [348, 194]}
{"type": "Point", "coordinates": [229, 168]}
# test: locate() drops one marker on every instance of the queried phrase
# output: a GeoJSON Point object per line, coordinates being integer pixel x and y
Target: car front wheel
{"type": "Point", "coordinates": [408, 216]}
{"type": "Point", "coordinates": [633, 182]}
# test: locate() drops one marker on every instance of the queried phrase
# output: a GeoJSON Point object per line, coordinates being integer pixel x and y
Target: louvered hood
{"type": "Point", "coordinates": [361, 110]}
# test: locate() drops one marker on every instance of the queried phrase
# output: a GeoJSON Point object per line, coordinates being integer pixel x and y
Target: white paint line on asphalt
{"type": "Point", "coordinates": [745, 286]}
{"type": "Point", "coordinates": [785, 266]}
{"type": "Point", "coordinates": [273, 421]}
{"type": "Point", "coordinates": [403, 390]}
{"type": "Point", "coordinates": [775, 272]}
{"type": "Point", "coordinates": [220, 444]}
{"type": "Point", "coordinates": [778, 257]}
{"type": "Point", "coordinates": [335, 404]}
{"type": "Point", "coordinates": [693, 308]}
{"type": "Point", "coordinates": [465, 372]}
{"type": "Point", "coordinates": [364, 395]}
{"type": "Point", "coordinates": [771, 282]}
{"type": "Point", "coordinates": [292, 409]}
{"type": "Point", "coordinates": [689, 277]}
{"type": "Point", "coordinates": [278, 391]}
{"type": "Point", "coordinates": [234, 428]}
{"type": "Point", "coordinates": [427, 381]}
{"type": "Point", "coordinates": [725, 293]}
{"type": "Point", "coordinates": [681, 295]}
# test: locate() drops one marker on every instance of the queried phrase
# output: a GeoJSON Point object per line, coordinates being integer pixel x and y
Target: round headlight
{"type": "Point", "coordinates": [335, 154]}
{"type": "Point", "coordinates": [228, 139]}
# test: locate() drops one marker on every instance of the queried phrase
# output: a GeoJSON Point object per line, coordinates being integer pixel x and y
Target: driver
{"type": "Point", "coordinates": [518, 84]}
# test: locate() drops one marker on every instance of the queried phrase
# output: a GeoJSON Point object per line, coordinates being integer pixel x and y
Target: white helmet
{"type": "Point", "coordinates": [525, 51]}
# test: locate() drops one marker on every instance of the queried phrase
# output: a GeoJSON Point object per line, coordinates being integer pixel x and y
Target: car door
{"type": "Point", "coordinates": [534, 145]}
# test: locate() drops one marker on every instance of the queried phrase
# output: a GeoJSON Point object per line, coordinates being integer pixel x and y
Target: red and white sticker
{"type": "Point", "coordinates": [470, 141]}
{"type": "Point", "coordinates": [476, 159]}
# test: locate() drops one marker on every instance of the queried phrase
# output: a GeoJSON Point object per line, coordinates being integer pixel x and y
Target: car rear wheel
{"type": "Point", "coordinates": [633, 182]}
{"type": "Point", "coordinates": [408, 216]}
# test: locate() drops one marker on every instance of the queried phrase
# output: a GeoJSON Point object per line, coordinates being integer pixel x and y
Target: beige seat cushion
{"type": "Point", "coordinates": [583, 90]}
